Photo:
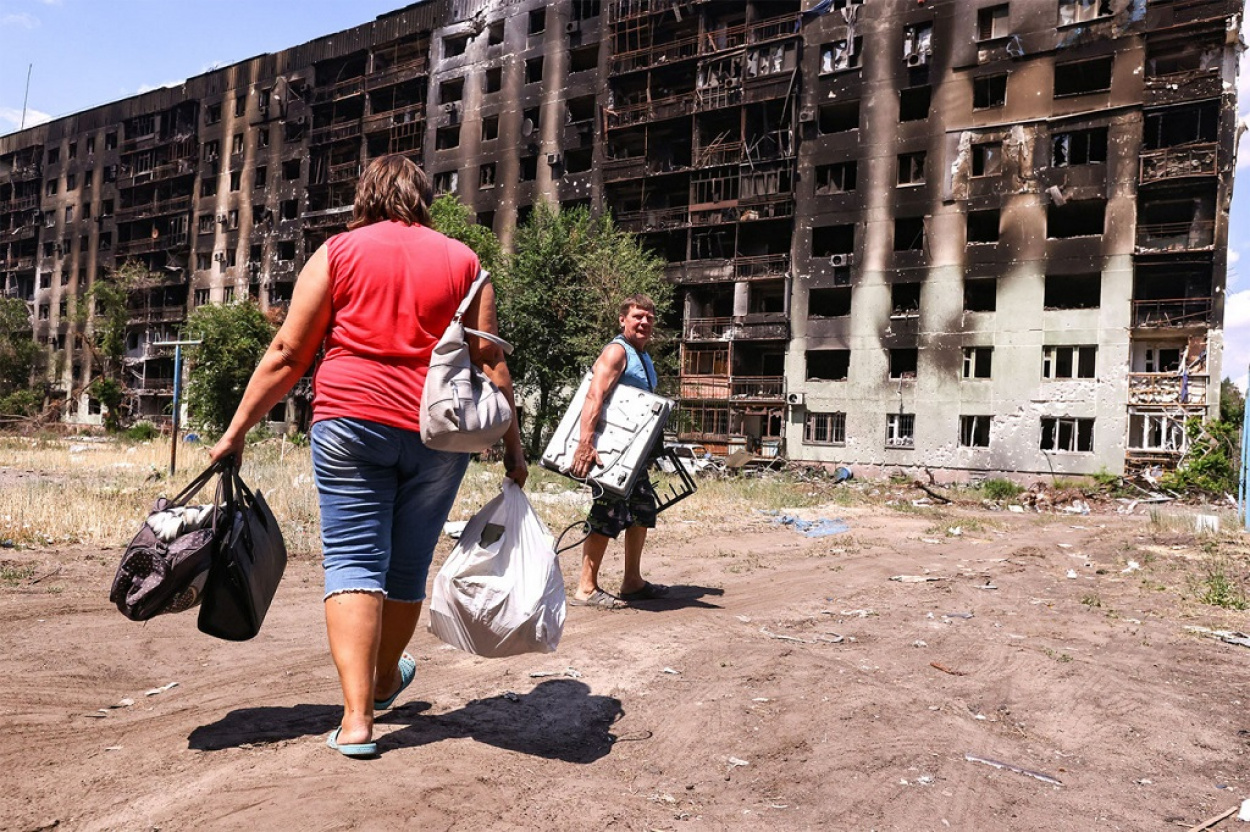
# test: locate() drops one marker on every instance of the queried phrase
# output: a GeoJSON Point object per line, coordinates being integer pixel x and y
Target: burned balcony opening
{"type": "Point", "coordinates": [914, 103]}
{"type": "Point", "coordinates": [837, 118]}
{"type": "Point", "coordinates": [905, 300]}
{"type": "Point", "coordinates": [1073, 291]}
{"type": "Point", "coordinates": [407, 98]}
{"type": "Point", "coordinates": [768, 132]}
{"type": "Point", "coordinates": [981, 294]}
{"type": "Point", "coordinates": [983, 226]}
{"type": "Point", "coordinates": [829, 303]}
{"type": "Point", "coordinates": [1176, 220]}
{"type": "Point", "coordinates": [1076, 218]}
{"type": "Point", "coordinates": [1182, 59]}
{"type": "Point", "coordinates": [903, 363]}
{"type": "Point", "coordinates": [766, 298]}
{"type": "Point", "coordinates": [333, 77]}
{"type": "Point", "coordinates": [1177, 293]}
{"type": "Point", "coordinates": [1183, 125]}
{"type": "Point", "coordinates": [1083, 77]}
{"type": "Point", "coordinates": [1079, 147]}
{"type": "Point", "coordinates": [828, 365]}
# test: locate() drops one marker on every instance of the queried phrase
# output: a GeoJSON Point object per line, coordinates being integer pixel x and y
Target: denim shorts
{"type": "Point", "coordinates": [384, 499]}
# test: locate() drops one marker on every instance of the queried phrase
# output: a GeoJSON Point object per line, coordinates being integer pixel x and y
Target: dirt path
{"type": "Point", "coordinates": [734, 707]}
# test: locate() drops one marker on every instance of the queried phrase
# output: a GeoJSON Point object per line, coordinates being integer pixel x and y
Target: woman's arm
{"type": "Point", "coordinates": [490, 358]}
{"type": "Point", "coordinates": [288, 357]}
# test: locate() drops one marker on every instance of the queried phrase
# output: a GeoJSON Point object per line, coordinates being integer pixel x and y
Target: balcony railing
{"type": "Point", "coordinates": [334, 133]}
{"type": "Point", "coordinates": [25, 203]}
{"type": "Point", "coordinates": [664, 53]}
{"type": "Point", "coordinates": [617, 170]}
{"type": "Point", "coordinates": [1175, 162]}
{"type": "Point", "coordinates": [150, 209]}
{"type": "Point", "coordinates": [398, 73]}
{"type": "Point", "coordinates": [332, 218]}
{"type": "Point", "coordinates": [753, 327]}
{"type": "Point", "coordinates": [21, 232]}
{"type": "Point", "coordinates": [145, 245]}
{"type": "Point", "coordinates": [759, 388]}
{"type": "Point", "coordinates": [786, 26]}
{"type": "Point", "coordinates": [704, 387]}
{"type": "Point", "coordinates": [763, 265]}
{"type": "Point", "coordinates": [392, 118]}
{"type": "Point", "coordinates": [343, 89]}
{"type": "Point", "coordinates": [20, 173]}
{"type": "Point", "coordinates": [343, 172]}
{"type": "Point", "coordinates": [157, 314]}
{"type": "Point", "coordinates": [727, 153]}
{"type": "Point", "coordinates": [1176, 312]}
{"type": "Point", "coordinates": [714, 216]}
{"type": "Point", "coordinates": [654, 219]}
{"type": "Point", "coordinates": [1167, 388]}
{"type": "Point", "coordinates": [633, 9]}
{"type": "Point", "coordinates": [1176, 236]}
{"type": "Point", "coordinates": [672, 107]}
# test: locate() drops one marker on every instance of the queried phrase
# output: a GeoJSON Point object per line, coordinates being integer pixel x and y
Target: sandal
{"type": "Point", "coordinates": [598, 599]}
{"type": "Point", "coordinates": [407, 672]}
{"type": "Point", "coordinates": [647, 592]}
{"type": "Point", "coordinates": [356, 750]}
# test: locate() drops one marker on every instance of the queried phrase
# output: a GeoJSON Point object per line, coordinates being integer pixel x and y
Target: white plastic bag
{"type": "Point", "coordinates": [501, 593]}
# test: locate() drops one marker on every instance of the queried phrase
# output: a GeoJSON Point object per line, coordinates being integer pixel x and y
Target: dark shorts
{"type": "Point", "coordinates": [610, 514]}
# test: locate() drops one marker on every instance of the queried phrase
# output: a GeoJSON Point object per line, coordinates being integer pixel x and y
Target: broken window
{"type": "Point", "coordinates": [529, 168]}
{"type": "Point", "coordinates": [1081, 77]}
{"type": "Point", "coordinates": [978, 361]}
{"type": "Point", "coordinates": [1079, 147]}
{"type": "Point", "coordinates": [578, 160]}
{"type": "Point", "coordinates": [289, 209]}
{"type": "Point", "coordinates": [833, 240]}
{"type": "Point", "coordinates": [1073, 291]}
{"type": "Point", "coordinates": [828, 365]}
{"type": "Point", "coordinates": [486, 176]}
{"type": "Point", "coordinates": [446, 182]}
{"type": "Point", "coordinates": [260, 178]}
{"type": "Point", "coordinates": [451, 91]}
{"type": "Point", "coordinates": [838, 118]}
{"type": "Point", "coordinates": [1062, 362]}
{"type": "Point", "coordinates": [236, 180]}
{"type": "Point", "coordinates": [983, 226]}
{"type": "Point", "coordinates": [584, 59]}
{"type": "Point", "coordinates": [917, 44]}
{"type": "Point", "coordinates": [838, 178]}
{"type": "Point", "coordinates": [201, 296]}
{"type": "Point", "coordinates": [585, 9]}
{"type": "Point", "coordinates": [262, 137]}
{"type": "Point", "coordinates": [974, 431]}
{"type": "Point", "coordinates": [455, 45]}
{"type": "Point", "coordinates": [236, 144]}
{"type": "Point", "coordinates": [1181, 125]}
{"type": "Point", "coordinates": [212, 114]}
{"type": "Point", "coordinates": [73, 150]}
{"type": "Point", "coordinates": [537, 21]}
{"type": "Point", "coordinates": [494, 79]}
{"type": "Point", "coordinates": [829, 303]}
{"type": "Point", "coordinates": [534, 70]}
{"type": "Point", "coordinates": [1163, 60]}
{"type": "Point", "coordinates": [903, 362]}
{"type": "Point", "coordinates": [909, 233]}
{"type": "Point", "coordinates": [1157, 432]}
{"type": "Point", "coordinates": [290, 169]}
{"type": "Point", "coordinates": [210, 150]}
{"type": "Point", "coordinates": [905, 300]}
{"type": "Point", "coordinates": [987, 159]}
{"type": "Point", "coordinates": [1076, 218]}
{"type": "Point", "coordinates": [911, 168]}
{"type": "Point", "coordinates": [1066, 435]}
{"type": "Point", "coordinates": [900, 430]}
{"type": "Point", "coordinates": [989, 91]}
{"type": "Point", "coordinates": [494, 33]}
{"type": "Point", "coordinates": [992, 22]}
{"type": "Point", "coordinates": [110, 140]}
{"type": "Point", "coordinates": [490, 128]}
{"type": "Point", "coordinates": [825, 429]}
{"type": "Point", "coordinates": [54, 155]}
{"type": "Point", "coordinates": [1080, 11]}
{"type": "Point", "coordinates": [840, 55]}
{"type": "Point", "coordinates": [913, 104]}
{"type": "Point", "coordinates": [446, 138]}
{"type": "Point", "coordinates": [286, 250]}
{"type": "Point", "coordinates": [207, 223]}
{"type": "Point", "coordinates": [50, 188]}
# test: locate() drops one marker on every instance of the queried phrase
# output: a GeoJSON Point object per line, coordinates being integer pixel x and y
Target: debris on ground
{"type": "Point", "coordinates": [1036, 775]}
{"type": "Point", "coordinates": [1226, 636]}
{"type": "Point", "coordinates": [915, 579]}
{"type": "Point", "coordinates": [543, 674]}
{"type": "Point", "coordinates": [820, 527]}
{"type": "Point", "coordinates": [161, 689]}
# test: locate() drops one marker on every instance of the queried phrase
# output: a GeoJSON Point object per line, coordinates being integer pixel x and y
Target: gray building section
{"type": "Point", "coordinates": [969, 236]}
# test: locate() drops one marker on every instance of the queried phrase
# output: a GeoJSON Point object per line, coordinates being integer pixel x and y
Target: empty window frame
{"type": "Point", "coordinates": [534, 70]}
{"type": "Point", "coordinates": [983, 226]}
{"type": "Point", "coordinates": [451, 91]}
{"type": "Point", "coordinates": [291, 169]}
{"type": "Point", "coordinates": [825, 429]}
{"type": "Point", "coordinates": [840, 55]}
{"type": "Point", "coordinates": [528, 170]}
{"type": "Point", "coordinates": [286, 250]}
{"type": "Point", "coordinates": [900, 430]}
{"type": "Point", "coordinates": [829, 303]}
{"type": "Point", "coordinates": [989, 91]}
{"type": "Point", "coordinates": [1080, 11]}
{"type": "Point", "coordinates": [212, 113]}
{"type": "Point", "coordinates": [909, 234]}
{"type": "Point", "coordinates": [987, 159]}
{"type": "Point", "coordinates": [538, 21]}
{"type": "Point", "coordinates": [705, 362]}
{"type": "Point", "coordinates": [1157, 432]}
{"type": "Point", "coordinates": [911, 168]}
{"type": "Point", "coordinates": [490, 128]}
{"type": "Point", "coordinates": [914, 103]}
{"type": "Point", "coordinates": [493, 79]}
{"type": "Point", "coordinates": [455, 45]}
{"type": "Point", "coordinates": [446, 182]}
{"type": "Point", "coordinates": [1076, 218]}
{"type": "Point", "coordinates": [494, 33]}
{"type": "Point", "coordinates": [838, 118]}
{"type": "Point", "coordinates": [445, 138]}
{"type": "Point", "coordinates": [1063, 362]}
{"type": "Point", "coordinates": [903, 361]}
{"type": "Point", "coordinates": [905, 300]}
{"type": "Point", "coordinates": [978, 362]}
{"type": "Point", "coordinates": [974, 431]}
{"type": "Point", "coordinates": [289, 209]}
{"type": "Point", "coordinates": [830, 240]}
{"type": "Point", "coordinates": [486, 176]}
{"type": "Point", "coordinates": [236, 144]}
{"type": "Point", "coordinates": [1082, 77]}
{"type": "Point", "coordinates": [584, 59]}
{"type": "Point", "coordinates": [1073, 291]}
{"type": "Point", "coordinates": [992, 22]}
{"type": "Point", "coordinates": [917, 44]}
{"type": "Point", "coordinates": [1067, 435]}
{"type": "Point", "coordinates": [839, 178]}
{"type": "Point", "coordinates": [236, 180]}
{"type": "Point", "coordinates": [1079, 147]}
{"type": "Point", "coordinates": [828, 365]}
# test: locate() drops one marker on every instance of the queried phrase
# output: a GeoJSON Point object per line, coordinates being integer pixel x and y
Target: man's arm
{"type": "Point", "coordinates": [604, 375]}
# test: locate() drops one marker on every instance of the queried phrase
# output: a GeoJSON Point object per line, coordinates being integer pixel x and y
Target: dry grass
{"type": "Point", "coordinates": [95, 493]}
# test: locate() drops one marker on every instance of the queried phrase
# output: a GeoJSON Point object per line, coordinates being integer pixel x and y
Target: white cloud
{"type": "Point", "coordinates": [11, 119]}
{"type": "Point", "coordinates": [21, 20]}
{"type": "Point", "coordinates": [1237, 337]}
{"type": "Point", "coordinates": [51, 2]}
{"type": "Point", "coordinates": [1233, 256]}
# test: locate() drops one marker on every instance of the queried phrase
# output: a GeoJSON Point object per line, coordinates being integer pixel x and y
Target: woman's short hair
{"type": "Point", "coordinates": [641, 301]}
{"type": "Point", "coordinates": [393, 187]}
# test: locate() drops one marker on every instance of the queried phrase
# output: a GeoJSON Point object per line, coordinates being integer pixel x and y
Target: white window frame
{"type": "Point", "coordinates": [900, 430]}
{"type": "Point", "coordinates": [1073, 424]}
{"type": "Point", "coordinates": [1050, 362]}
{"type": "Point", "coordinates": [968, 430]}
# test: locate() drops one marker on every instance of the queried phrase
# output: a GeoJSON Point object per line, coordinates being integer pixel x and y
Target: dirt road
{"type": "Point", "coordinates": [793, 685]}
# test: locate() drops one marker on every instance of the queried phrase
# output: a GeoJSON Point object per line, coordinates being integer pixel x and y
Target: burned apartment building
{"type": "Point", "coordinates": [967, 235]}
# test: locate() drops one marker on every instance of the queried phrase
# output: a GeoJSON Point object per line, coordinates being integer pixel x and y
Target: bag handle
{"type": "Point", "coordinates": [479, 281]}
{"type": "Point", "coordinates": [196, 484]}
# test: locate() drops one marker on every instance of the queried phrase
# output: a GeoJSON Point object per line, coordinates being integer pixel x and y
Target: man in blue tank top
{"type": "Point", "coordinates": [623, 361]}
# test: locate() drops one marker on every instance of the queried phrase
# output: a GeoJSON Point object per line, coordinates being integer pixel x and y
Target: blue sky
{"type": "Point", "coordinates": [89, 52]}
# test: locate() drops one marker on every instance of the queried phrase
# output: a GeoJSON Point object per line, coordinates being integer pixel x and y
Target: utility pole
{"type": "Point", "coordinates": [177, 345]}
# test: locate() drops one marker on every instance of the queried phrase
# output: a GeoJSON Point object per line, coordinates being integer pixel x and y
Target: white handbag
{"type": "Point", "coordinates": [461, 409]}
{"type": "Point", "coordinates": [500, 592]}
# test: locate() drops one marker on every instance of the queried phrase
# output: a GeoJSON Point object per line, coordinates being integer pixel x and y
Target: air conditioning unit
{"type": "Point", "coordinates": [222, 218]}
{"type": "Point", "coordinates": [451, 107]}
{"type": "Point", "coordinates": [220, 257]}
{"type": "Point", "coordinates": [919, 58]}
{"type": "Point", "coordinates": [553, 159]}
{"type": "Point", "coordinates": [840, 260]}
{"type": "Point", "coordinates": [807, 115]}
{"type": "Point", "coordinates": [795, 399]}
{"type": "Point", "coordinates": [572, 27]}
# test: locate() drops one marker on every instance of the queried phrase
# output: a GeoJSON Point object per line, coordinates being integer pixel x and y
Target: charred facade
{"type": "Point", "coordinates": [972, 236]}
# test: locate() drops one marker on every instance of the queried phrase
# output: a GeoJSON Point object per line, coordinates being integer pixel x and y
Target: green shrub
{"type": "Point", "coordinates": [142, 432]}
{"type": "Point", "coordinates": [1000, 489]}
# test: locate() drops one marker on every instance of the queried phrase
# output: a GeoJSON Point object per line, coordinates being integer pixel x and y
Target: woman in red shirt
{"type": "Point", "coordinates": [378, 298]}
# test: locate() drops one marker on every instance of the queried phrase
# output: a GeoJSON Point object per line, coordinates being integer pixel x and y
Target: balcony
{"type": "Point", "coordinates": [330, 218]}
{"type": "Point", "coordinates": [167, 170]}
{"type": "Point", "coordinates": [664, 53]}
{"type": "Point", "coordinates": [1176, 236]}
{"type": "Point", "coordinates": [693, 272]}
{"type": "Point", "coordinates": [24, 203]}
{"type": "Point", "coordinates": [767, 206]}
{"type": "Point", "coordinates": [156, 314]}
{"type": "Point", "coordinates": [22, 173]}
{"type": "Point", "coordinates": [176, 205]}
{"type": "Point", "coordinates": [1178, 162]}
{"type": "Point", "coordinates": [751, 328]}
{"type": "Point", "coordinates": [335, 133]}
{"type": "Point", "coordinates": [398, 73]}
{"type": "Point", "coordinates": [1172, 313]}
{"type": "Point", "coordinates": [1182, 86]}
{"type": "Point", "coordinates": [659, 219]}
{"type": "Point", "coordinates": [762, 266]}
{"type": "Point", "coordinates": [343, 89]}
{"type": "Point", "coordinates": [725, 153]}
{"type": "Point", "coordinates": [719, 97]}
{"type": "Point", "coordinates": [344, 172]}
{"type": "Point", "coordinates": [774, 28]}
{"type": "Point", "coordinates": [703, 387]}
{"type": "Point", "coordinates": [758, 388]}
{"type": "Point", "coordinates": [393, 118]}
{"type": "Point", "coordinates": [633, 9]}
{"type": "Point", "coordinates": [21, 232]}
{"type": "Point", "coordinates": [705, 216]}
{"type": "Point", "coordinates": [658, 110]}
{"type": "Point", "coordinates": [620, 170]}
{"type": "Point", "coordinates": [1167, 388]}
{"type": "Point", "coordinates": [147, 245]}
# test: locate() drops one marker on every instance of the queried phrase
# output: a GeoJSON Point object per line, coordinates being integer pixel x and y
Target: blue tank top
{"type": "Point", "coordinates": [639, 371]}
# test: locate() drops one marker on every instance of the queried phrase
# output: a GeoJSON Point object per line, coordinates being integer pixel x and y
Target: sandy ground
{"type": "Point", "coordinates": [792, 685]}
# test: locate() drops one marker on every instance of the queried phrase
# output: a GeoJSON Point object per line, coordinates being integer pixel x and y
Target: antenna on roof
{"type": "Point", "coordinates": [26, 97]}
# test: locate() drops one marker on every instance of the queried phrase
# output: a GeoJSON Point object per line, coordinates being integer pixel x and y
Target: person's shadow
{"type": "Point", "coordinates": [680, 596]}
{"type": "Point", "coordinates": [558, 719]}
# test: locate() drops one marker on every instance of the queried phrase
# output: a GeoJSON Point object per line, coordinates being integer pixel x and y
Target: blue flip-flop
{"type": "Point", "coordinates": [351, 749]}
{"type": "Point", "coordinates": [407, 672]}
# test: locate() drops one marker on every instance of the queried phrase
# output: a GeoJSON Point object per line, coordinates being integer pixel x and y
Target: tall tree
{"type": "Point", "coordinates": [457, 220]}
{"type": "Point", "coordinates": [234, 337]}
{"type": "Point", "coordinates": [559, 302]}
{"type": "Point", "coordinates": [105, 307]}
{"type": "Point", "coordinates": [18, 352]}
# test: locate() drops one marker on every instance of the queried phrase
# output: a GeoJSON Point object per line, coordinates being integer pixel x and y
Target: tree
{"type": "Point", "coordinates": [18, 352]}
{"type": "Point", "coordinates": [559, 302]}
{"type": "Point", "coordinates": [234, 338]}
{"type": "Point", "coordinates": [457, 220]}
{"type": "Point", "coordinates": [107, 342]}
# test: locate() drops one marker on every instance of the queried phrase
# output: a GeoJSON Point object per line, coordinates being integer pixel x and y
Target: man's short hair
{"type": "Point", "coordinates": [641, 301]}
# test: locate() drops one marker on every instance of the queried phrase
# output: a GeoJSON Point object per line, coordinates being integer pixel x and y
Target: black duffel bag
{"type": "Point", "coordinates": [166, 565]}
{"type": "Point", "coordinates": [246, 567]}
